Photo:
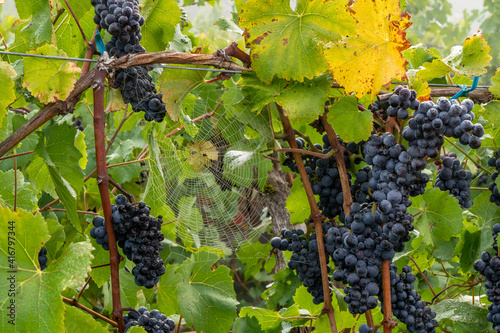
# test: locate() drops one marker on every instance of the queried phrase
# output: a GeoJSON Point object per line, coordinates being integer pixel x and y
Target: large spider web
{"type": "Point", "coordinates": [212, 174]}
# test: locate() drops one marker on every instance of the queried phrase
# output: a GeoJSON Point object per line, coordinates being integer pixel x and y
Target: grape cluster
{"type": "Point", "coordinates": [304, 260]}
{"type": "Point", "coordinates": [360, 188]}
{"type": "Point", "coordinates": [152, 321]}
{"type": "Point", "coordinates": [398, 104]}
{"type": "Point", "coordinates": [393, 173]}
{"type": "Point", "coordinates": [77, 123]}
{"type": "Point", "coordinates": [452, 177]}
{"type": "Point", "coordinates": [407, 305]}
{"type": "Point", "coordinates": [121, 18]}
{"type": "Point", "coordinates": [431, 121]}
{"type": "Point", "coordinates": [494, 162]}
{"type": "Point", "coordinates": [139, 235]}
{"type": "Point", "coordinates": [402, 100]}
{"type": "Point", "coordinates": [489, 267]}
{"type": "Point", "coordinates": [98, 232]}
{"type": "Point", "coordinates": [42, 258]}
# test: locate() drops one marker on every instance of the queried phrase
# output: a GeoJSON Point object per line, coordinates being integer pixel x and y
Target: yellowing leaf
{"type": "Point", "coordinates": [284, 42]}
{"type": "Point", "coordinates": [495, 88]}
{"type": "Point", "coordinates": [49, 80]}
{"type": "Point", "coordinates": [422, 89]}
{"type": "Point", "coordinates": [470, 59]}
{"type": "Point", "coordinates": [201, 154]}
{"type": "Point", "coordinates": [8, 94]}
{"type": "Point", "coordinates": [364, 63]}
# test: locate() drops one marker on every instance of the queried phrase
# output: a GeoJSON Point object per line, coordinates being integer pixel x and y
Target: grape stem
{"type": "Point", "coordinates": [102, 183]}
{"type": "Point", "coordinates": [315, 216]}
{"type": "Point", "coordinates": [129, 196]}
{"type": "Point", "coordinates": [470, 158]}
{"type": "Point", "coordinates": [74, 302]}
{"type": "Point", "coordinates": [308, 140]}
{"type": "Point", "coordinates": [425, 278]}
{"type": "Point", "coordinates": [308, 152]}
{"type": "Point", "coordinates": [124, 119]}
{"type": "Point", "coordinates": [83, 288]}
{"type": "Point", "coordinates": [17, 155]}
{"type": "Point", "coordinates": [478, 281]}
{"type": "Point", "coordinates": [479, 188]}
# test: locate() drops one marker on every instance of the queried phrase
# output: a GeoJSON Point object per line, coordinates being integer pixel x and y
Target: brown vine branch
{"type": "Point", "coordinates": [102, 183]}
{"type": "Point", "coordinates": [77, 23]}
{"type": "Point", "coordinates": [73, 302]}
{"type": "Point", "coordinates": [339, 158]}
{"type": "Point", "coordinates": [315, 215]}
{"type": "Point", "coordinates": [234, 51]}
{"type": "Point", "coordinates": [174, 57]}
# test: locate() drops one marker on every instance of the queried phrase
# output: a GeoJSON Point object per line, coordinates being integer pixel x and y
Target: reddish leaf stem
{"type": "Point", "coordinates": [83, 288]}
{"type": "Point", "coordinates": [425, 278]}
{"type": "Point", "coordinates": [102, 183]}
{"type": "Point", "coordinates": [16, 155]}
{"type": "Point", "coordinates": [303, 151]}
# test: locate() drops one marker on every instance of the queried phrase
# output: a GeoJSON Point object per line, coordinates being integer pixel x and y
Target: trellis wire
{"type": "Point", "coordinates": [191, 68]}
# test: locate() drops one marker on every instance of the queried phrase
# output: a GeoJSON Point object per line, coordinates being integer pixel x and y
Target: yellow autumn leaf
{"type": "Point", "coordinates": [372, 58]}
{"type": "Point", "coordinates": [201, 154]}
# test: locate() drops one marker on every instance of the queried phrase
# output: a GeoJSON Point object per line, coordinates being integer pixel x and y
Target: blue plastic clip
{"type": "Point", "coordinates": [464, 91]}
{"type": "Point", "coordinates": [99, 43]}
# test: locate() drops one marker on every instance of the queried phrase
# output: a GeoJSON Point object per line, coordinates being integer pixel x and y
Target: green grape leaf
{"type": "Point", "coordinates": [487, 213]}
{"type": "Point", "coordinates": [26, 195]}
{"type": "Point", "coordinates": [247, 324]}
{"type": "Point", "coordinates": [39, 307]}
{"type": "Point", "coordinates": [417, 55]}
{"type": "Point", "coordinates": [167, 298]}
{"type": "Point", "coordinates": [464, 315]}
{"type": "Point", "coordinates": [78, 321]}
{"type": "Point", "coordinates": [297, 204]}
{"type": "Point", "coordinates": [433, 70]}
{"type": "Point", "coordinates": [176, 84]}
{"type": "Point", "coordinates": [470, 247]}
{"type": "Point", "coordinates": [159, 27]}
{"type": "Point", "coordinates": [349, 123]}
{"type": "Point", "coordinates": [441, 216]}
{"type": "Point", "coordinates": [472, 58]}
{"type": "Point", "coordinates": [206, 297]}
{"type": "Point", "coordinates": [254, 256]}
{"type": "Point", "coordinates": [284, 42]}
{"type": "Point", "coordinates": [491, 112]}
{"type": "Point", "coordinates": [283, 289]}
{"type": "Point", "coordinates": [495, 88]}
{"type": "Point", "coordinates": [301, 101]}
{"type": "Point", "coordinates": [229, 24]}
{"type": "Point", "coordinates": [342, 319]}
{"type": "Point", "coordinates": [7, 73]}
{"type": "Point", "coordinates": [269, 319]}
{"type": "Point", "coordinates": [65, 37]}
{"type": "Point", "coordinates": [58, 149]}
{"type": "Point", "coordinates": [49, 80]}
{"type": "Point", "coordinates": [305, 301]}
{"type": "Point", "coordinates": [39, 29]}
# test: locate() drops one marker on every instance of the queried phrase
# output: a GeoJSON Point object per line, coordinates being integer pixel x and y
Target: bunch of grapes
{"type": "Point", "coordinates": [42, 258]}
{"type": "Point", "coordinates": [139, 235]}
{"type": "Point", "coordinates": [364, 328]}
{"type": "Point", "coordinates": [358, 256]}
{"type": "Point", "coordinates": [489, 267]}
{"type": "Point", "coordinates": [122, 20]}
{"type": "Point", "coordinates": [494, 162]}
{"type": "Point", "coordinates": [360, 188]}
{"type": "Point", "coordinates": [452, 177]}
{"type": "Point", "coordinates": [98, 232]}
{"type": "Point", "coordinates": [393, 173]}
{"type": "Point", "coordinates": [304, 260]}
{"type": "Point", "coordinates": [407, 305]}
{"type": "Point", "coordinates": [431, 121]}
{"type": "Point", "coordinates": [402, 100]}
{"type": "Point", "coordinates": [152, 321]}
